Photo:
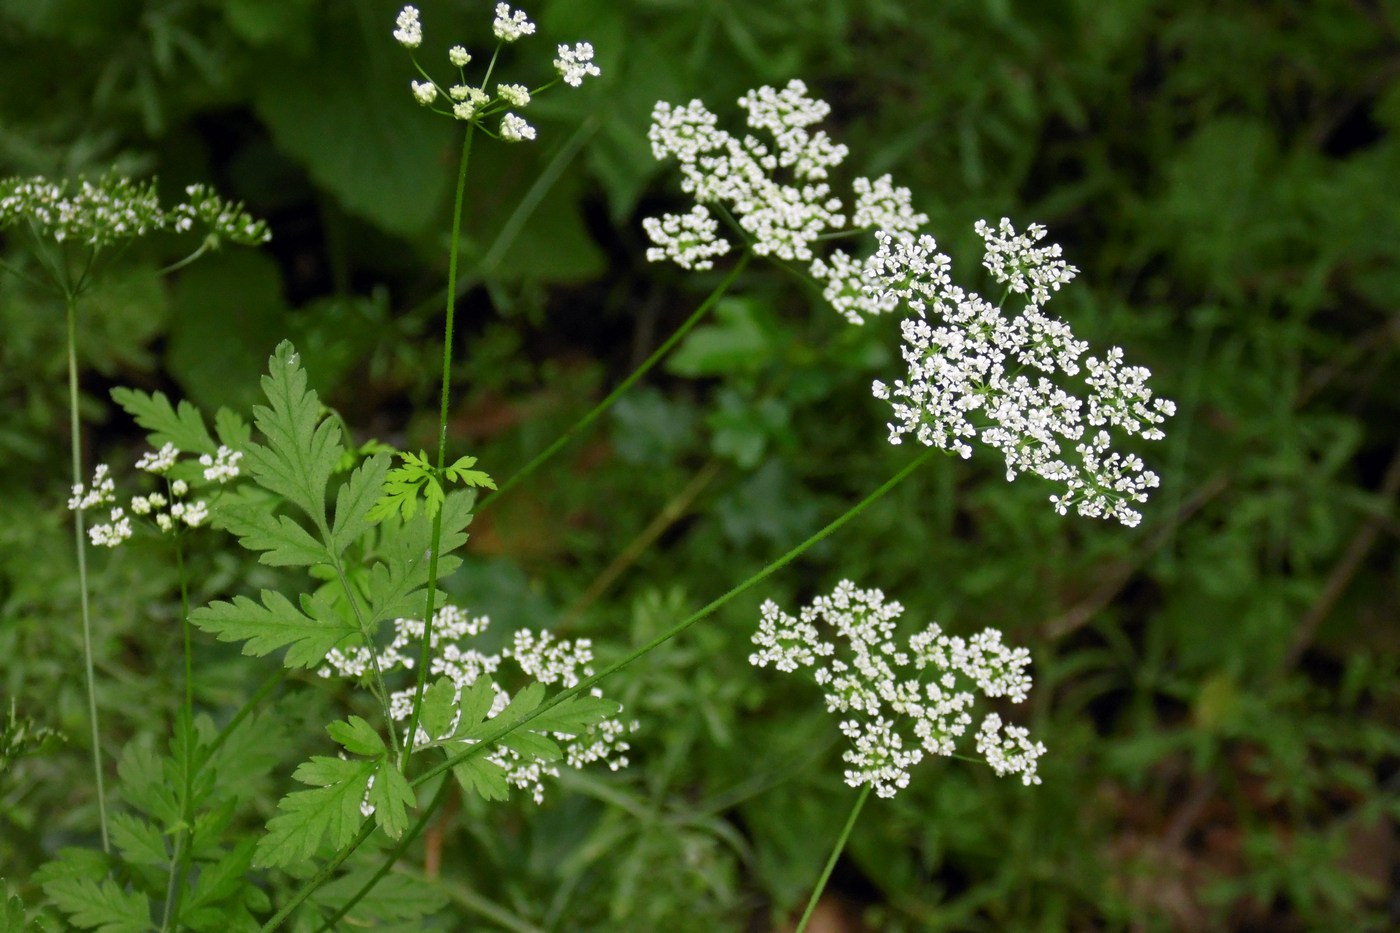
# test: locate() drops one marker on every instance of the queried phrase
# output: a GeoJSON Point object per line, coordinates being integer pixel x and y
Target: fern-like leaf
{"type": "Point", "coordinates": [301, 449]}
{"type": "Point", "coordinates": [183, 427]}
{"type": "Point", "coordinates": [276, 623]}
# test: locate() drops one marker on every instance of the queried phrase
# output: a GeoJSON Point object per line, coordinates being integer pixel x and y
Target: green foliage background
{"type": "Point", "coordinates": [1218, 687]}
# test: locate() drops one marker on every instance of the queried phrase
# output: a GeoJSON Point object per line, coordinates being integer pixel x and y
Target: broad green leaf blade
{"type": "Point", "coordinates": [574, 716]}
{"type": "Point", "coordinates": [439, 705]}
{"type": "Point", "coordinates": [283, 542]}
{"type": "Point", "coordinates": [482, 777]}
{"type": "Point", "coordinates": [476, 704]}
{"type": "Point", "coordinates": [305, 817]}
{"type": "Point", "coordinates": [100, 906]}
{"type": "Point", "coordinates": [220, 881]}
{"type": "Point", "coordinates": [354, 501]}
{"type": "Point", "coordinates": [183, 427]}
{"type": "Point", "coordinates": [301, 449]}
{"type": "Point", "coordinates": [357, 737]}
{"type": "Point", "coordinates": [276, 624]}
{"type": "Point", "coordinates": [531, 746]}
{"type": "Point", "coordinates": [139, 842]}
{"type": "Point", "coordinates": [391, 796]}
{"type": "Point", "coordinates": [233, 431]}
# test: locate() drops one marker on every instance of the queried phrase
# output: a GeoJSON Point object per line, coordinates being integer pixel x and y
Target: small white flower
{"type": "Point", "coordinates": [410, 31]}
{"type": "Point", "coordinates": [102, 490]}
{"type": "Point", "coordinates": [112, 534]}
{"type": "Point", "coordinates": [223, 466]}
{"type": "Point", "coordinates": [196, 514]}
{"type": "Point", "coordinates": [458, 56]}
{"type": "Point", "coordinates": [517, 95]}
{"type": "Point", "coordinates": [688, 239]}
{"type": "Point", "coordinates": [575, 64]}
{"type": "Point", "coordinates": [158, 461]}
{"type": "Point", "coordinates": [425, 92]}
{"type": "Point", "coordinates": [179, 487]}
{"type": "Point", "coordinates": [510, 26]}
{"type": "Point", "coordinates": [514, 129]}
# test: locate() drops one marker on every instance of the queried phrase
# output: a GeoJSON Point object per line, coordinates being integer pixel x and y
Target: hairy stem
{"type": "Point", "coordinates": [831, 860]}
{"type": "Point", "coordinates": [426, 652]}
{"type": "Point", "coordinates": [80, 540]}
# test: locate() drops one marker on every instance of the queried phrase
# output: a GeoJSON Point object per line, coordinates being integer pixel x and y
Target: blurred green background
{"type": "Point", "coordinates": [1218, 687]}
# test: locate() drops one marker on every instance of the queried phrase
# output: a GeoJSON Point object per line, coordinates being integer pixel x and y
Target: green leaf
{"type": "Point", "coordinates": [144, 783]}
{"type": "Point", "coordinates": [402, 486]}
{"type": "Point", "coordinates": [183, 427]}
{"type": "Point", "coordinates": [391, 795]}
{"type": "Point", "coordinates": [276, 624]}
{"type": "Point", "coordinates": [333, 112]}
{"type": "Point", "coordinates": [476, 704]}
{"type": "Point", "coordinates": [305, 817]}
{"type": "Point", "coordinates": [531, 746]}
{"type": "Point", "coordinates": [576, 715]}
{"type": "Point", "coordinates": [220, 881]}
{"type": "Point", "coordinates": [439, 705]}
{"type": "Point", "coordinates": [283, 541]}
{"type": "Point", "coordinates": [101, 906]}
{"type": "Point", "coordinates": [357, 737]}
{"type": "Point", "coordinates": [482, 777]}
{"type": "Point", "coordinates": [459, 473]}
{"type": "Point", "coordinates": [234, 433]}
{"type": "Point", "coordinates": [302, 449]}
{"type": "Point", "coordinates": [13, 917]}
{"type": "Point", "coordinates": [354, 501]}
{"type": "Point", "coordinates": [140, 842]}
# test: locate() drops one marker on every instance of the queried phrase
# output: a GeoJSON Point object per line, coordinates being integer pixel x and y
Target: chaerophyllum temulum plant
{"type": "Point", "coordinates": [371, 542]}
{"type": "Point", "coordinates": [74, 232]}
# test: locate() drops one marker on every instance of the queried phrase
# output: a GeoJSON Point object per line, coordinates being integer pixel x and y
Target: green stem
{"type": "Point", "coordinates": [622, 388]}
{"type": "Point", "coordinates": [489, 739]}
{"type": "Point", "coordinates": [80, 537]}
{"type": "Point", "coordinates": [831, 861]}
{"type": "Point", "coordinates": [425, 653]}
{"type": "Point", "coordinates": [184, 840]}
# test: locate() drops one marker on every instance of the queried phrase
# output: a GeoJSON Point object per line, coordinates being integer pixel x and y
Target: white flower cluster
{"type": "Point", "coordinates": [777, 193]}
{"type": "Point", "coordinates": [977, 372]}
{"type": "Point", "coordinates": [899, 704]}
{"type": "Point", "coordinates": [473, 103]}
{"type": "Point", "coordinates": [542, 658]}
{"type": "Point", "coordinates": [117, 209]}
{"type": "Point", "coordinates": [168, 510]}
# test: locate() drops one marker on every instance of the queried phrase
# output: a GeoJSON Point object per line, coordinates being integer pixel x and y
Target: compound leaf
{"type": "Point", "coordinates": [305, 817]}
{"type": "Point", "coordinates": [276, 624]}
{"type": "Point", "coordinates": [301, 449]}
{"type": "Point", "coordinates": [183, 427]}
{"type": "Point", "coordinates": [356, 499]}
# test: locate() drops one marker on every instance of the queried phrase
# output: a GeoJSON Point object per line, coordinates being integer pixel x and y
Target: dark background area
{"type": "Point", "coordinates": [1218, 688]}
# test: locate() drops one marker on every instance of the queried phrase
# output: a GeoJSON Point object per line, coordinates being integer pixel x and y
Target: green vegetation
{"type": "Point", "coordinates": [1218, 687]}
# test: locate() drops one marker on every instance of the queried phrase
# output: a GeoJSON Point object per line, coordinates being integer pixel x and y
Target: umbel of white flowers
{"type": "Point", "coordinates": [171, 510]}
{"type": "Point", "coordinates": [976, 371]}
{"type": "Point", "coordinates": [541, 658]}
{"type": "Point", "coordinates": [473, 102]}
{"type": "Point", "coordinates": [115, 209]}
{"type": "Point", "coordinates": [899, 703]}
